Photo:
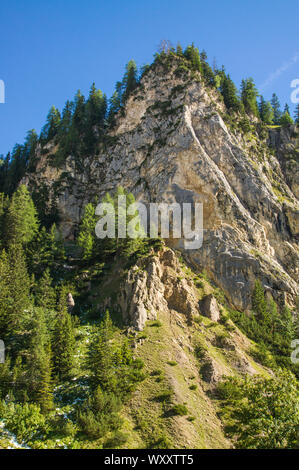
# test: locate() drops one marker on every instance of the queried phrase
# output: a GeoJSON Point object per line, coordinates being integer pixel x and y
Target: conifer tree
{"type": "Point", "coordinates": [14, 290]}
{"type": "Point", "coordinates": [51, 127]}
{"type": "Point", "coordinates": [286, 119]}
{"type": "Point", "coordinates": [229, 93]}
{"type": "Point", "coordinates": [179, 50]}
{"type": "Point", "coordinates": [249, 94]}
{"type": "Point", "coordinates": [101, 356]}
{"type": "Point", "coordinates": [21, 220]}
{"type": "Point", "coordinates": [276, 109]}
{"type": "Point", "coordinates": [296, 115]}
{"type": "Point", "coordinates": [259, 304]}
{"type": "Point", "coordinates": [206, 69]}
{"type": "Point", "coordinates": [266, 111]}
{"type": "Point", "coordinates": [130, 79]}
{"type": "Point", "coordinates": [192, 54]}
{"type": "Point", "coordinates": [39, 369]}
{"type": "Point", "coordinates": [63, 341]}
{"type": "Point", "coordinates": [45, 295]}
{"type": "Point", "coordinates": [86, 237]}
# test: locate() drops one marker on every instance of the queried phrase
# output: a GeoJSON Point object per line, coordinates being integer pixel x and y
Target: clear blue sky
{"type": "Point", "coordinates": [51, 48]}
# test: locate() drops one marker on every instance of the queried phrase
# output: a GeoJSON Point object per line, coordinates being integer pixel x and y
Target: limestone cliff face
{"type": "Point", "coordinates": [174, 143]}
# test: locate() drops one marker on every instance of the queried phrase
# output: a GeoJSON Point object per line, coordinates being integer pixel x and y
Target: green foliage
{"type": "Point", "coordinates": [21, 220]}
{"type": "Point", "coordinates": [229, 93]}
{"type": "Point", "coordinates": [262, 413]}
{"type": "Point", "coordinates": [25, 421]}
{"type": "Point", "coordinates": [272, 328]}
{"type": "Point", "coordinates": [86, 237]}
{"type": "Point", "coordinates": [266, 111]}
{"type": "Point", "coordinates": [179, 410]}
{"type": "Point", "coordinates": [276, 109]}
{"type": "Point", "coordinates": [249, 94]}
{"type": "Point", "coordinates": [64, 344]}
{"type": "Point", "coordinates": [286, 119]}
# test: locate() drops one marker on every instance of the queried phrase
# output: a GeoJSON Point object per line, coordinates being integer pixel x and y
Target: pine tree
{"type": "Point", "coordinates": [14, 290]}
{"type": "Point", "coordinates": [259, 304]}
{"type": "Point", "coordinates": [192, 54]}
{"type": "Point", "coordinates": [21, 220]}
{"type": "Point", "coordinates": [266, 111]}
{"type": "Point", "coordinates": [51, 127]}
{"type": "Point", "coordinates": [63, 341]}
{"type": "Point", "coordinates": [45, 295]}
{"type": "Point", "coordinates": [276, 109]}
{"type": "Point", "coordinates": [286, 119]}
{"type": "Point", "coordinates": [101, 356]}
{"type": "Point", "coordinates": [249, 94]}
{"type": "Point", "coordinates": [207, 71]}
{"type": "Point", "coordinates": [296, 115]}
{"type": "Point", "coordinates": [39, 368]}
{"type": "Point", "coordinates": [130, 81]}
{"type": "Point", "coordinates": [179, 50]}
{"type": "Point", "coordinates": [86, 237]}
{"type": "Point", "coordinates": [229, 93]}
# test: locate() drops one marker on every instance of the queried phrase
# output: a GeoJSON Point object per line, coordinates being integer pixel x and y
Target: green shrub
{"type": "Point", "coordinates": [156, 372]}
{"type": "Point", "coordinates": [172, 363]}
{"type": "Point", "coordinates": [25, 421]}
{"type": "Point", "coordinates": [179, 410]}
{"type": "Point", "coordinates": [156, 323]}
{"type": "Point", "coordinates": [117, 440]}
{"type": "Point", "coordinates": [193, 387]}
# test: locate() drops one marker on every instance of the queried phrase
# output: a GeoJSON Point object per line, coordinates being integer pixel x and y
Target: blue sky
{"type": "Point", "coordinates": [51, 48]}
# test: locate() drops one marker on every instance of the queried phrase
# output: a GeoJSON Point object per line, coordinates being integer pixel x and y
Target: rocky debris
{"type": "Point", "coordinates": [70, 302]}
{"type": "Point", "coordinates": [209, 308]}
{"type": "Point", "coordinates": [211, 371]}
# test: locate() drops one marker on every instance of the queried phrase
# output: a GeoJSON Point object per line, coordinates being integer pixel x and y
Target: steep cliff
{"type": "Point", "coordinates": [175, 142]}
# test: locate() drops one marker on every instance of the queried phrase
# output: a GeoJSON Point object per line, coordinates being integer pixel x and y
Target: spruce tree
{"type": "Point", "coordinates": [39, 368]}
{"type": "Point", "coordinates": [286, 119]}
{"type": "Point", "coordinates": [130, 80]}
{"type": "Point", "coordinates": [276, 109]}
{"type": "Point", "coordinates": [266, 111]}
{"type": "Point", "coordinates": [101, 356]}
{"type": "Point", "coordinates": [86, 237]}
{"type": "Point", "coordinates": [207, 71]}
{"type": "Point", "coordinates": [51, 127]}
{"type": "Point", "coordinates": [45, 295]}
{"type": "Point", "coordinates": [229, 93]}
{"type": "Point", "coordinates": [192, 55]}
{"type": "Point", "coordinates": [63, 341]}
{"type": "Point", "coordinates": [259, 304]}
{"type": "Point", "coordinates": [14, 290]}
{"type": "Point", "coordinates": [296, 115]}
{"type": "Point", "coordinates": [249, 94]}
{"type": "Point", "coordinates": [21, 222]}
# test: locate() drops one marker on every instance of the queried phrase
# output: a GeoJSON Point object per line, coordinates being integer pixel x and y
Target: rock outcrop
{"type": "Point", "coordinates": [175, 143]}
{"type": "Point", "coordinates": [158, 286]}
{"type": "Point", "coordinates": [210, 308]}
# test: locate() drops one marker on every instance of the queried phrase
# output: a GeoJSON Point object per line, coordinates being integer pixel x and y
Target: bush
{"type": "Point", "coordinates": [161, 443]}
{"type": "Point", "coordinates": [191, 418]}
{"type": "Point", "coordinates": [172, 363]}
{"type": "Point", "coordinates": [156, 372]}
{"type": "Point", "coordinates": [179, 410]}
{"type": "Point", "coordinates": [156, 323]}
{"type": "Point", "coordinates": [193, 387]}
{"type": "Point", "coordinates": [117, 440]}
{"type": "Point", "coordinates": [25, 421]}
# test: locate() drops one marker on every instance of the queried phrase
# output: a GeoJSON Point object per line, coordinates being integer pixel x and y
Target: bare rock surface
{"type": "Point", "coordinates": [173, 143]}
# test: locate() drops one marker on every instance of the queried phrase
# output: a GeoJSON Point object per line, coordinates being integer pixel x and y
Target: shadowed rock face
{"type": "Point", "coordinates": [172, 145]}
